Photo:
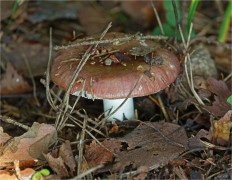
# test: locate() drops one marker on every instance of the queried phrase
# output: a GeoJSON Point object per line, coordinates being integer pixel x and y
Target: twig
{"type": "Point", "coordinates": [32, 79]}
{"type": "Point", "coordinates": [17, 170]}
{"type": "Point", "coordinates": [107, 41]}
{"type": "Point", "coordinates": [48, 94]}
{"type": "Point", "coordinates": [81, 144]}
{"type": "Point", "coordinates": [163, 109]}
{"type": "Point", "coordinates": [227, 77]}
{"type": "Point", "coordinates": [89, 171]}
{"type": "Point", "coordinates": [187, 59]}
{"type": "Point", "coordinates": [11, 121]}
{"type": "Point", "coordinates": [154, 101]}
{"type": "Point", "coordinates": [157, 18]}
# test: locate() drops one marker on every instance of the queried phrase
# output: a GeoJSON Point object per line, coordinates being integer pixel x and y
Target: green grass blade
{"type": "Point", "coordinates": [192, 10]}
{"type": "Point", "coordinates": [224, 28]}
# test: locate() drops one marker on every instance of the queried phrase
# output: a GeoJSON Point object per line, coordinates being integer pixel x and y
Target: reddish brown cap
{"type": "Point", "coordinates": [129, 61]}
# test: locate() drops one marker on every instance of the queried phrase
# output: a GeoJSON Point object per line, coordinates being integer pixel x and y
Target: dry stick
{"type": "Point", "coordinates": [187, 58]}
{"type": "Point", "coordinates": [88, 126]}
{"type": "Point", "coordinates": [65, 103]}
{"type": "Point", "coordinates": [107, 41]}
{"type": "Point", "coordinates": [17, 170]}
{"type": "Point", "coordinates": [80, 122]}
{"type": "Point", "coordinates": [157, 18]}
{"type": "Point", "coordinates": [32, 79]}
{"type": "Point", "coordinates": [11, 121]}
{"type": "Point", "coordinates": [154, 101]}
{"type": "Point", "coordinates": [89, 171]}
{"type": "Point", "coordinates": [209, 41]}
{"type": "Point", "coordinates": [227, 77]}
{"type": "Point", "coordinates": [91, 135]}
{"type": "Point", "coordinates": [163, 109]}
{"type": "Point", "coordinates": [48, 94]}
{"type": "Point", "coordinates": [78, 98]}
{"type": "Point", "coordinates": [81, 144]}
{"type": "Point", "coordinates": [217, 173]}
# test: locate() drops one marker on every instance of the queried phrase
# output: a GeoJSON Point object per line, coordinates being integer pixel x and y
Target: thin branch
{"type": "Point", "coordinates": [48, 94]}
{"type": "Point", "coordinates": [107, 41]}
{"type": "Point", "coordinates": [32, 79]}
{"type": "Point", "coordinates": [157, 18]}
{"type": "Point", "coordinates": [12, 121]}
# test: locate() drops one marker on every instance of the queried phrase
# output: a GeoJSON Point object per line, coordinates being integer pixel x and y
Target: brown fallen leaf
{"type": "Point", "coordinates": [57, 165]}
{"type": "Point", "coordinates": [97, 19]}
{"type": "Point", "coordinates": [96, 154]}
{"type": "Point", "coordinates": [30, 145]}
{"type": "Point", "coordinates": [221, 92]}
{"type": "Point", "coordinates": [195, 141]}
{"type": "Point", "coordinates": [151, 145]}
{"type": "Point", "coordinates": [12, 82]}
{"type": "Point", "coordinates": [15, 50]}
{"type": "Point", "coordinates": [67, 155]}
{"type": "Point", "coordinates": [4, 137]}
{"type": "Point", "coordinates": [220, 130]}
{"type": "Point", "coordinates": [25, 174]}
{"type": "Point", "coordinates": [221, 56]}
{"type": "Point", "coordinates": [141, 11]}
{"type": "Point", "coordinates": [62, 161]}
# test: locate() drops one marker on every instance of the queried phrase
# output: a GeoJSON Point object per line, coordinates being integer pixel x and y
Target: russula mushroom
{"type": "Point", "coordinates": [114, 69]}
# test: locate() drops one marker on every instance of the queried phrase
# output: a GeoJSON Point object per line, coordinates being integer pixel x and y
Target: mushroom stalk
{"type": "Point", "coordinates": [127, 109]}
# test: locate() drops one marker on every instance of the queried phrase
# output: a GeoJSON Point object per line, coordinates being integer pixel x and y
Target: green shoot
{"type": "Point", "coordinates": [14, 9]}
{"type": "Point", "coordinates": [192, 10]}
{"type": "Point", "coordinates": [169, 26]}
{"type": "Point", "coordinates": [43, 172]}
{"type": "Point", "coordinates": [229, 100]}
{"type": "Point", "coordinates": [225, 23]}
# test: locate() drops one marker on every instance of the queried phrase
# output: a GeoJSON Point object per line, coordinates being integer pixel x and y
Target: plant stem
{"type": "Point", "coordinates": [225, 23]}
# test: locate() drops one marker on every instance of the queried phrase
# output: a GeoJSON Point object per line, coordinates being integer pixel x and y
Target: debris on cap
{"type": "Point", "coordinates": [114, 68]}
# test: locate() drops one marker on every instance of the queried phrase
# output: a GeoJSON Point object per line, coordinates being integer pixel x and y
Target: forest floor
{"type": "Point", "coordinates": [181, 132]}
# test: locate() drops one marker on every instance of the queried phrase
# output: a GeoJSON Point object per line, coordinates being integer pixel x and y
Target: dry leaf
{"type": "Point", "coordinates": [142, 173]}
{"type": "Point", "coordinates": [4, 137]}
{"type": "Point", "coordinates": [97, 19]}
{"type": "Point", "coordinates": [141, 11]}
{"type": "Point", "coordinates": [57, 165]}
{"type": "Point", "coordinates": [195, 142]}
{"type": "Point", "coordinates": [147, 145]}
{"type": "Point", "coordinates": [67, 155]}
{"type": "Point", "coordinates": [30, 145]}
{"type": "Point", "coordinates": [12, 82]}
{"type": "Point", "coordinates": [221, 93]}
{"type": "Point", "coordinates": [25, 174]}
{"type": "Point", "coordinates": [220, 130]}
{"type": "Point", "coordinates": [96, 154]}
{"type": "Point", "coordinates": [57, 160]}
{"type": "Point", "coordinates": [18, 49]}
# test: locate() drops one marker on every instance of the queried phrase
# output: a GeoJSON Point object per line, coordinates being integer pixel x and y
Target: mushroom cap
{"type": "Point", "coordinates": [158, 67]}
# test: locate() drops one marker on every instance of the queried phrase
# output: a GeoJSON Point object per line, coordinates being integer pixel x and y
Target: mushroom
{"type": "Point", "coordinates": [155, 66]}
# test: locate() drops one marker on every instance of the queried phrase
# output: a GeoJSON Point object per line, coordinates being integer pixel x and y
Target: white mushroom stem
{"type": "Point", "coordinates": [127, 109]}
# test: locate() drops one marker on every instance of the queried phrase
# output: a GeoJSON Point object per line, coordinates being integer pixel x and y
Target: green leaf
{"type": "Point", "coordinates": [224, 28]}
{"type": "Point", "coordinates": [192, 10]}
{"type": "Point", "coordinates": [45, 172]}
{"type": "Point", "coordinates": [229, 100]}
{"type": "Point", "coordinates": [169, 12]}
{"type": "Point", "coordinates": [167, 5]}
{"type": "Point", "coordinates": [36, 176]}
{"type": "Point", "coordinates": [168, 30]}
